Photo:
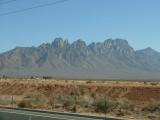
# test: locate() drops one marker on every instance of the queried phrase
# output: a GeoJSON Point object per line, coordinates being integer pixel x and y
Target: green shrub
{"type": "Point", "coordinates": [67, 100]}
{"type": "Point", "coordinates": [5, 101]}
{"type": "Point", "coordinates": [152, 107]}
{"type": "Point", "coordinates": [126, 105]}
{"type": "Point", "coordinates": [85, 101]}
{"type": "Point", "coordinates": [33, 100]}
{"type": "Point", "coordinates": [105, 105]}
{"type": "Point", "coordinates": [26, 104]}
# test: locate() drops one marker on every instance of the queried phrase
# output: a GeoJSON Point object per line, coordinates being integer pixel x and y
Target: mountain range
{"type": "Point", "coordinates": [111, 59]}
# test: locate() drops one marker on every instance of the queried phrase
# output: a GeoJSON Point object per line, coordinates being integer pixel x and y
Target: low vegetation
{"type": "Point", "coordinates": [6, 100]}
{"type": "Point", "coordinates": [105, 105]}
{"type": "Point", "coordinates": [90, 97]}
{"type": "Point", "coordinates": [72, 102]}
{"type": "Point", "coordinates": [152, 107]}
{"type": "Point", "coordinates": [33, 100]}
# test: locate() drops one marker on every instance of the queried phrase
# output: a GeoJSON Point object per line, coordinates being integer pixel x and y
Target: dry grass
{"type": "Point", "coordinates": [117, 98]}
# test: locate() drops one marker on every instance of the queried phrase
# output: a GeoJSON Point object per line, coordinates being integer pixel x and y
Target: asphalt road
{"type": "Point", "coordinates": [10, 114]}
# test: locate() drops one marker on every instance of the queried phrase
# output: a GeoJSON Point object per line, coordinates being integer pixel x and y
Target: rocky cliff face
{"type": "Point", "coordinates": [111, 59]}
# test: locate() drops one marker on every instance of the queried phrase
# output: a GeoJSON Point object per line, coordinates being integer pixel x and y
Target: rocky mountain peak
{"type": "Point", "coordinates": [110, 43]}
{"type": "Point", "coordinates": [58, 43]}
{"type": "Point", "coordinates": [79, 44]}
{"type": "Point", "coordinates": [78, 60]}
{"type": "Point", "coordinates": [148, 51]}
{"type": "Point", "coordinates": [119, 46]}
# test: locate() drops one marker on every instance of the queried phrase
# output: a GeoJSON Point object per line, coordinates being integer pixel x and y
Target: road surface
{"type": "Point", "coordinates": [12, 114]}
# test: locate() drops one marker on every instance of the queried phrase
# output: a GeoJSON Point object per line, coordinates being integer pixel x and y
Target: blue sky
{"type": "Point", "coordinates": [137, 21]}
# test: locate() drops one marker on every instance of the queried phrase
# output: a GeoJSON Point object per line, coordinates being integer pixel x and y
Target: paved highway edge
{"type": "Point", "coordinates": [62, 113]}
